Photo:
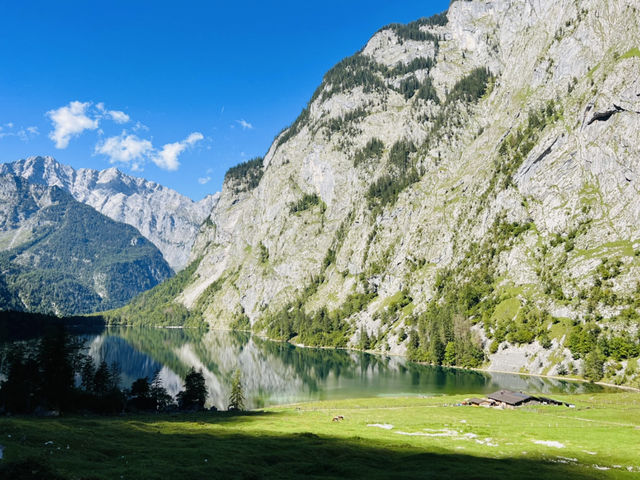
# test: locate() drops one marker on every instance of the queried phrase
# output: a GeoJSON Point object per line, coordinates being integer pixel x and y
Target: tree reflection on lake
{"type": "Point", "coordinates": [279, 373]}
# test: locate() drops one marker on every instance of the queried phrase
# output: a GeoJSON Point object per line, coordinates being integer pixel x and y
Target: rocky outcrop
{"type": "Point", "coordinates": [497, 203]}
{"type": "Point", "coordinates": [165, 217]}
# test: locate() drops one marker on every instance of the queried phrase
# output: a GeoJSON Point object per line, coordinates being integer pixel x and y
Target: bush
{"type": "Point", "coordinates": [401, 69]}
{"type": "Point", "coordinates": [427, 91]}
{"type": "Point", "coordinates": [472, 87]}
{"type": "Point", "coordinates": [408, 87]}
{"type": "Point", "coordinates": [373, 149]}
{"type": "Point", "coordinates": [582, 339]}
{"type": "Point", "coordinates": [264, 253]}
{"type": "Point", "coordinates": [240, 322]}
{"type": "Point", "coordinates": [308, 200]}
{"type": "Point", "coordinates": [386, 189]}
{"type": "Point", "coordinates": [515, 148]}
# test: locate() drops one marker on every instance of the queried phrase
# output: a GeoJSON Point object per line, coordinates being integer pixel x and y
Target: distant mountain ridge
{"type": "Point", "coordinates": [60, 256]}
{"type": "Point", "coordinates": [165, 217]}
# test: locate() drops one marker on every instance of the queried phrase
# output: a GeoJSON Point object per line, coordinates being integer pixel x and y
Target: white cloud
{"type": "Point", "coordinates": [126, 148]}
{"type": "Point", "coordinates": [70, 121]}
{"type": "Point", "coordinates": [115, 115]}
{"type": "Point", "coordinates": [118, 116]}
{"type": "Point", "coordinates": [24, 134]}
{"type": "Point", "coordinates": [194, 138]}
{"type": "Point", "coordinates": [134, 151]}
{"type": "Point", "coordinates": [244, 124]}
{"type": "Point", "coordinates": [140, 126]}
{"type": "Point", "coordinates": [204, 180]}
{"type": "Point", "coordinates": [167, 158]}
{"type": "Point", "coordinates": [73, 119]}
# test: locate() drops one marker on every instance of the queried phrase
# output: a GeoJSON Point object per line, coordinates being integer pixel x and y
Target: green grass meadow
{"type": "Point", "coordinates": [424, 438]}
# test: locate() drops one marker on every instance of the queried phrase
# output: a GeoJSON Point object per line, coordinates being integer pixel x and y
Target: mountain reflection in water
{"type": "Point", "coordinates": [279, 373]}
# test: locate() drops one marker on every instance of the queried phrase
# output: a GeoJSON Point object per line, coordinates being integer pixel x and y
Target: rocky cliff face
{"type": "Point", "coordinates": [60, 256]}
{"type": "Point", "coordinates": [162, 215]}
{"type": "Point", "coordinates": [464, 190]}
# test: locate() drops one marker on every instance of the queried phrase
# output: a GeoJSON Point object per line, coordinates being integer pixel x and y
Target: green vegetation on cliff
{"type": "Point", "coordinates": [372, 150]}
{"type": "Point", "coordinates": [245, 176]}
{"type": "Point", "coordinates": [307, 201]}
{"type": "Point", "coordinates": [320, 328]}
{"type": "Point", "coordinates": [157, 307]}
{"type": "Point", "coordinates": [361, 71]}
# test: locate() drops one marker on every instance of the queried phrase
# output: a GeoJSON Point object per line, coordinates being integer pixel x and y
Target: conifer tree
{"type": "Point", "coordinates": [236, 399]}
{"type": "Point", "coordinates": [194, 394]}
{"type": "Point", "coordinates": [160, 398]}
{"type": "Point", "coordinates": [594, 366]}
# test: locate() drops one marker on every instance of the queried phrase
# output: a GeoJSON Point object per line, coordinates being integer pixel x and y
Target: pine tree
{"type": "Point", "coordinates": [194, 394]}
{"type": "Point", "coordinates": [594, 366]}
{"type": "Point", "coordinates": [141, 394]}
{"type": "Point", "coordinates": [365, 341]}
{"type": "Point", "coordinates": [236, 399]}
{"type": "Point", "coordinates": [57, 354]}
{"type": "Point", "coordinates": [450, 354]}
{"type": "Point", "coordinates": [160, 398]}
{"type": "Point", "coordinates": [21, 391]}
{"type": "Point", "coordinates": [87, 374]}
{"type": "Point", "coordinates": [102, 379]}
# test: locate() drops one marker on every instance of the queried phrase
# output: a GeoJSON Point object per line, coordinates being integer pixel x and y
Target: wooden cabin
{"type": "Point", "coordinates": [507, 398]}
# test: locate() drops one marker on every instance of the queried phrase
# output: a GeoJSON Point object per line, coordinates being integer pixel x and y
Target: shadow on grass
{"type": "Point", "coordinates": [145, 450]}
{"type": "Point", "coordinates": [212, 418]}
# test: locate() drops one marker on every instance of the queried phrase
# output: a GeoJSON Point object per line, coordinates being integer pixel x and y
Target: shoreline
{"type": "Point", "coordinates": [386, 354]}
{"type": "Point", "coordinates": [557, 377]}
{"type": "Point", "coordinates": [483, 370]}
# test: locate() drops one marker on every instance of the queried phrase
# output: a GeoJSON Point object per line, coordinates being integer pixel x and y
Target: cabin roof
{"type": "Point", "coordinates": [509, 397]}
{"type": "Point", "coordinates": [550, 400]}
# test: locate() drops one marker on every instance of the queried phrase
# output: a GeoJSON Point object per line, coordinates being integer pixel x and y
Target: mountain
{"type": "Point", "coordinates": [162, 215]}
{"type": "Point", "coordinates": [60, 256]}
{"type": "Point", "coordinates": [463, 190]}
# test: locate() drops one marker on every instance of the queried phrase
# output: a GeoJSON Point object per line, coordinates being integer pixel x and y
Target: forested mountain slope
{"type": "Point", "coordinates": [165, 217]}
{"type": "Point", "coordinates": [60, 256]}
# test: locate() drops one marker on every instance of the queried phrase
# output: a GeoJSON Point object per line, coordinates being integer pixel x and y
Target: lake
{"type": "Point", "coordinates": [276, 373]}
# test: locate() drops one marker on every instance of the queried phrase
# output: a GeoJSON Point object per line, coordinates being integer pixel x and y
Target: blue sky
{"type": "Point", "coordinates": [176, 92]}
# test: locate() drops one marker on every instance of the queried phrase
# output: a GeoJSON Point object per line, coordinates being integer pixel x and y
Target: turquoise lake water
{"type": "Point", "coordinates": [276, 373]}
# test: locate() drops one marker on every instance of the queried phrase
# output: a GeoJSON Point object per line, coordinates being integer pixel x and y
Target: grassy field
{"type": "Point", "coordinates": [415, 438]}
